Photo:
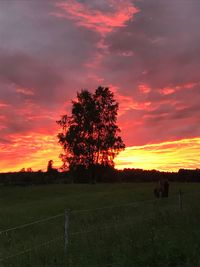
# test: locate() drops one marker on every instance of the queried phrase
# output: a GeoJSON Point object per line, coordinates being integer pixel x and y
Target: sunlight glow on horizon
{"type": "Point", "coordinates": [165, 156]}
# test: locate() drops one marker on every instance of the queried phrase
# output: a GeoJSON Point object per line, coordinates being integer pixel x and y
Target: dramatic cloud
{"type": "Point", "coordinates": [101, 16]}
{"type": "Point", "coordinates": [147, 52]}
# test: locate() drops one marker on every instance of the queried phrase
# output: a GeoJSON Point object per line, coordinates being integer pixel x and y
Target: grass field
{"type": "Point", "coordinates": [146, 233]}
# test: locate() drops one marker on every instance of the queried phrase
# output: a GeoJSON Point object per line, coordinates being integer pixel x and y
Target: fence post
{"type": "Point", "coordinates": [180, 200]}
{"type": "Point", "coordinates": [66, 229]}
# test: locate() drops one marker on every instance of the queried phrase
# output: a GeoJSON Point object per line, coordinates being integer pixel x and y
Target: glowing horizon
{"type": "Point", "coordinates": [165, 156]}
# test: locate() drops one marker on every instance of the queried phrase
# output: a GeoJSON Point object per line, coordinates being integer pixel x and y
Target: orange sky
{"type": "Point", "coordinates": [165, 156]}
{"type": "Point", "coordinates": [146, 51]}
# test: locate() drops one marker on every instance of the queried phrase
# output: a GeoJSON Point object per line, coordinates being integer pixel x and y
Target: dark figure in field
{"type": "Point", "coordinates": [165, 188]}
{"type": "Point", "coordinates": [158, 190]}
{"type": "Point", "coordinates": [162, 190]}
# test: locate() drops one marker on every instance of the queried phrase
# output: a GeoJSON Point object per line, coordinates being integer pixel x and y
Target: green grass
{"type": "Point", "coordinates": [144, 234]}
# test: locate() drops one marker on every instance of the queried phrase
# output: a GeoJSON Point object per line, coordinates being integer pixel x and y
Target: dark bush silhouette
{"type": "Point", "coordinates": [50, 168]}
{"type": "Point", "coordinates": [104, 174]}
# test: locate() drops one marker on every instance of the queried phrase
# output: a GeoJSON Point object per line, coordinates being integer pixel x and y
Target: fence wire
{"type": "Point", "coordinates": [135, 203]}
{"type": "Point", "coordinates": [31, 223]}
{"type": "Point", "coordinates": [32, 248]}
{"type": "Point", "coordinates": [122, 226]}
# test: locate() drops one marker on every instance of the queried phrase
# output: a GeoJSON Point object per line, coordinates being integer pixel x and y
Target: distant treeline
{"type": "Point", "coordinates": [98, 175]}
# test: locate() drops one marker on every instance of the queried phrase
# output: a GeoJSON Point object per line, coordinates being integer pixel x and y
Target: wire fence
{"type": "Point", "coordinates": [31, 223]}
{"type": "Point", "coordinates": [103, 236]}
{"type": "Point", "coordinates": [31, 249]}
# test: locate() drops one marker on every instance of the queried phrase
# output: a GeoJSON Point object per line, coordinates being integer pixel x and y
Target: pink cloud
{"type": "Point", "coordinates": [24, 91]}
{"type": "Point", "coordinates": [172, 89]}
{"type": "Point", "coordinates": [4, 105]}
{"type": "Point", "coordinates": [144, 88]}
{"type": "Point", "coordinates": [99, 21]}
{"type": "Point", "coordinates": [127, 102]}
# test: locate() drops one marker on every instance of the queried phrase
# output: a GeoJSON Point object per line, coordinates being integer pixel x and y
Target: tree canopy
{"type": "Point", "coordinates": [90, 135]}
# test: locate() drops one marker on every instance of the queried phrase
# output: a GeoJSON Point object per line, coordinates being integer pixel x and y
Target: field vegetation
{"type": "Point", "coordinates": [118, 225]}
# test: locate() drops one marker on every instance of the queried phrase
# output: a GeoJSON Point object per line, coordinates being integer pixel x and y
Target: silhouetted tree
{"type": "Point", "coordinates": [50, 166]}
{"type": "Point", "coordinates": [90, 135]}
{"type": "Point", "coordinates": [64, 166]}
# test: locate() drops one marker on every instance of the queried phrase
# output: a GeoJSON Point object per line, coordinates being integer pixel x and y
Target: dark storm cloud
{"type": "Point", "coordinates": [48, 50]}
{"type": "Point", "coordinates": [25, 71]}
{"type": "Point", "coordinates": [164, 39]}
{"type": "Point", "coordinates": [159, 48]}
{"type": "Point", "coordinates": [42, 63]}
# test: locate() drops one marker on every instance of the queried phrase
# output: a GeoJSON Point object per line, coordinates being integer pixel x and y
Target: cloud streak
{"type": "Point", "coordinates": [89, 14]}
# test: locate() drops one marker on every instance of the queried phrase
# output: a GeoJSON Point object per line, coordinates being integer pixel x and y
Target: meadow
{"type": "Point", "coordinates": [116, 225]}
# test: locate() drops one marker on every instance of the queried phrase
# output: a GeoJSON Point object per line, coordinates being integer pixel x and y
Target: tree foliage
{"type": "Point", "coordinates": [90, 135]}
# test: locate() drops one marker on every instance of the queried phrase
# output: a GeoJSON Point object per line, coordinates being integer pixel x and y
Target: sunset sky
{"type": "Point", "coordinates": [146, 51]}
